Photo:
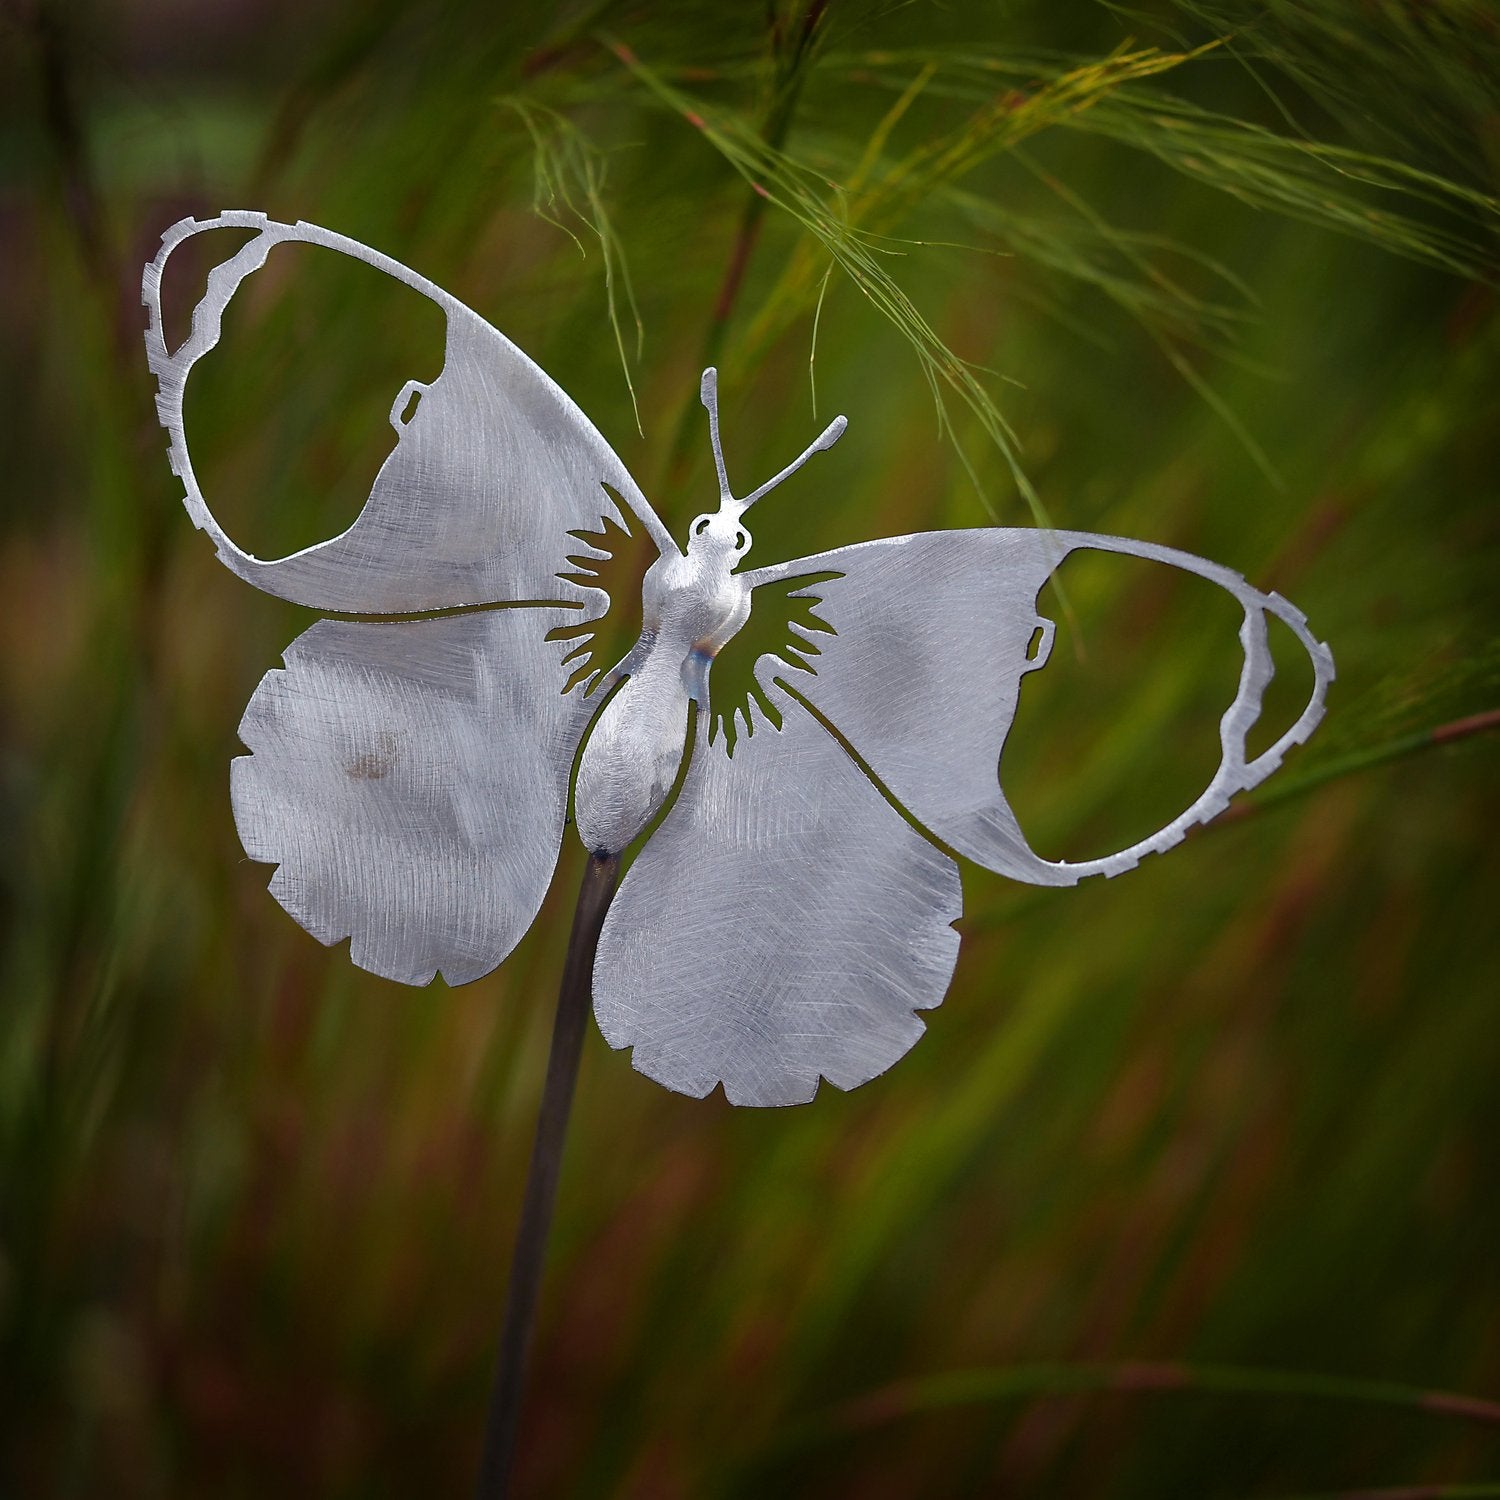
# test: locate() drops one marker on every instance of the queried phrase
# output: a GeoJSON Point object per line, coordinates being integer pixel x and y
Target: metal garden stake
{"type": "Point", "coordinates": [784, 924]}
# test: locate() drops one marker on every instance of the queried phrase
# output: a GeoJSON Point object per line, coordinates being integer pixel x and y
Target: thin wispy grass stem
{"type": "Point", "coordinates": [793, 50]}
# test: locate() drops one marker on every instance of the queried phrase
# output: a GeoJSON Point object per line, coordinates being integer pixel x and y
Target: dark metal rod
{"type": "Point", "coordinates": [594, 896]}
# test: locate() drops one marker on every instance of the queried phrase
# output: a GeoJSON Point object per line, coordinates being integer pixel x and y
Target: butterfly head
{"type": "Point", "coordinates": [720, 532]}
{"type": "Point", "coordinates": [723, 532]}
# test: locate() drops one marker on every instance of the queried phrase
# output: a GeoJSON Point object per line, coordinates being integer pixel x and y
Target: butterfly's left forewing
{"type": "Point", "coordinates": [493, 467]}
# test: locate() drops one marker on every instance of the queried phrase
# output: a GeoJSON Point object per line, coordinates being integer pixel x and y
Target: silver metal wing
{"type": "Point", "coordinates": [784, 923]}
{"type": "Point", "coordinates": [490, 473]}
{"type": "Point", "coordinates": [410, 780]}
{"type": "Point", "coordinates": [933, 634]}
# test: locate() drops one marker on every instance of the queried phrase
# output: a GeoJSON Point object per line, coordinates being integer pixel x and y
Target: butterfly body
{"type": "Point", "coordinates": [691, 606]}
{"type": "Point", "coordinates": [793, 910]}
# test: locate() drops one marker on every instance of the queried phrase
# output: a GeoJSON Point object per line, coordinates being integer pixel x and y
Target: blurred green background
{"type": "Point", "coordinates": [1193, 1187]}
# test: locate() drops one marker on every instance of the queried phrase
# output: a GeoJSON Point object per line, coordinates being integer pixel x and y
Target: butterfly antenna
{"type": "Point", "coordinates": [708, 393]}
{"type": "Point", "coordinates": [825, 440]}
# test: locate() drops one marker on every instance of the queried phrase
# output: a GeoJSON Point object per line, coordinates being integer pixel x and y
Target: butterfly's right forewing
{"type": "Point", "coordinates": [933, 635]}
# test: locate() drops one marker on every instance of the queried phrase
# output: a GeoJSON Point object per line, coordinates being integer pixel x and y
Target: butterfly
{"type": "Point", "coordinates": [784, 923]}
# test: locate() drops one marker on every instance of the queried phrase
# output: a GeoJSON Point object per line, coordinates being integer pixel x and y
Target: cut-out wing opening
{"type": "Point", "coordinates": [783, 924]}
{"type": "Point", "coordinates": [493, 466]}
{"type": "Point", "coordinates": [933, 634]}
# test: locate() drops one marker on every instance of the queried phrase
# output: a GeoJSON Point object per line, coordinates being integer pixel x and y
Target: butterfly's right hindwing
{"type": "Point", "coordinates": [410, 781]}
{"type": "Point", "coordinates": [784, 923]}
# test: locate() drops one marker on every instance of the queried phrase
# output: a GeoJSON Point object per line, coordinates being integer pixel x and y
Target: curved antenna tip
{"type": "Point", "coordinates": [708, 394]}
{"type": "Point", "coordinates": [825, 440]}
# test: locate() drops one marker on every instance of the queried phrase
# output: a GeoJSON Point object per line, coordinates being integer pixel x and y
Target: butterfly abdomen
{"type": "Point", "coordinates": [691, 605]}
{"type": "Point", "coordinates": [632, 756]}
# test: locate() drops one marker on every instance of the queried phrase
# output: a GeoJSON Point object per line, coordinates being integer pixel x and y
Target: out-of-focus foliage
{"type": "Point", "coordinates": [1193, 1186]}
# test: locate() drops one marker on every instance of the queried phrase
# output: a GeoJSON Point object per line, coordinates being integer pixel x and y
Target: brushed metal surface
{"type": "Point", "coordinates": [784, 923]}
{"type": "Point", "coordinates": [934, 633]}
{"type": "Point", "coordinates": [473, 506]}
{"type": "Point", "coordinates": [410, 781]}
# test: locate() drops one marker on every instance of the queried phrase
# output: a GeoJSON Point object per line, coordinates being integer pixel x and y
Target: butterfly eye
{"type": "Point", "coordinates": [741, 541]}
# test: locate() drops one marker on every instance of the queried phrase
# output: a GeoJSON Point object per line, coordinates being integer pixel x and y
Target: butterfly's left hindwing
{"type": "Point", "coordinates": [410, 781]}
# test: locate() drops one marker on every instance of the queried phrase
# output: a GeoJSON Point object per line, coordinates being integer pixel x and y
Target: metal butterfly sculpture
{"type": "Point", "coordinates": [784, 923]}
